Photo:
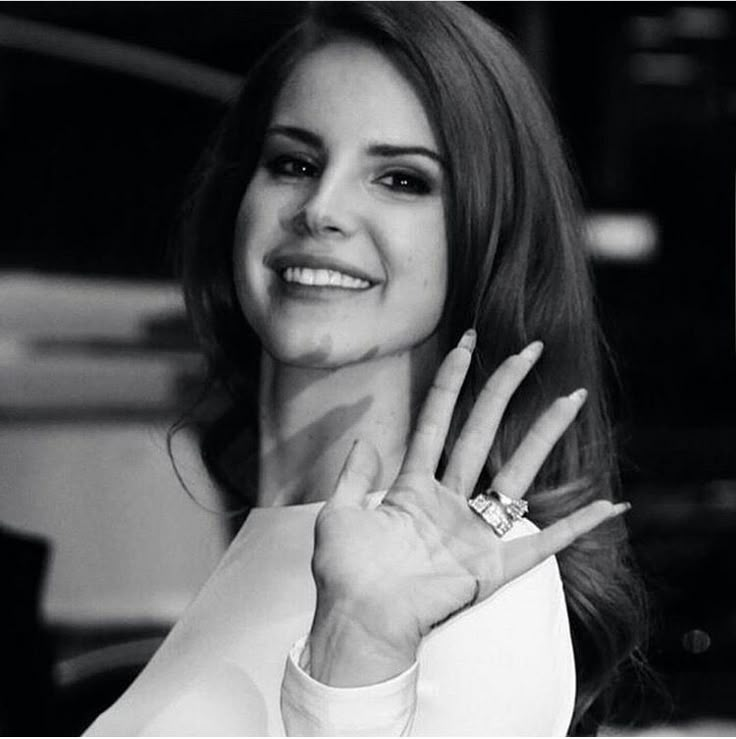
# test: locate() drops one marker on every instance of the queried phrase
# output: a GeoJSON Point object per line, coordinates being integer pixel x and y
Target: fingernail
{"type": "Point", "coordinates": [532, 352]}
{"type": "Point", "coordinates": [579, 395]}
{"type": "Point", "coordinates": [468, 340]}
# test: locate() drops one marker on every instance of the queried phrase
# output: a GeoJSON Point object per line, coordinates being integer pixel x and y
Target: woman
{"type": "Point", "coordinates": [388, 178]}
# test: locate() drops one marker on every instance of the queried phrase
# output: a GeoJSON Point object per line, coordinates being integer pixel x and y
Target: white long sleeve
{"type": "Point", "coordinates": [310, 708]}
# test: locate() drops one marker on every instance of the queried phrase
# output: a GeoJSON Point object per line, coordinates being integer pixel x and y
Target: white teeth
{"type": "Point", "coordinates": [323, 278]}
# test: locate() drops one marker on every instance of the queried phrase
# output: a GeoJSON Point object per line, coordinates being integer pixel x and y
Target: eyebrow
{"type": "Point", "coordinates": [378, 150]}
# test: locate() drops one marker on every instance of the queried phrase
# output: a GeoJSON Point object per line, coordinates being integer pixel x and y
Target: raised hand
{"type": "Point", "coordinates": [385, 576]}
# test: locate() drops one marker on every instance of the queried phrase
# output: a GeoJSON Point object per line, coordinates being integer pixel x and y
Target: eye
{"type": "Point", "coordinates": [406, 182]}
{"type": "Point", "coordinates": [287, 165]}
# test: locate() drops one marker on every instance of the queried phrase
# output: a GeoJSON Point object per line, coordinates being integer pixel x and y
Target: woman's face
{"type": "Point", "coordinates": [340, 250]}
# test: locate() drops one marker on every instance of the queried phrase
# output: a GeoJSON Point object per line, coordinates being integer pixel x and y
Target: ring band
{"type": "Point", "coordinates": [498, 510]}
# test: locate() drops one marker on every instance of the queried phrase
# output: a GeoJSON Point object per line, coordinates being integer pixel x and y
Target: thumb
{"type": "Point", "coordinates": [358, 476]}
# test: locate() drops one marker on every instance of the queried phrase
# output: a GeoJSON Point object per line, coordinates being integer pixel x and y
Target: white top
{"type": "Point", "coordinates": [231, 664]}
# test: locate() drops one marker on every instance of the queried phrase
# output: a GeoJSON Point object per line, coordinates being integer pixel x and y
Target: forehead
{"type": "Point", "coordinates": [350, 86]}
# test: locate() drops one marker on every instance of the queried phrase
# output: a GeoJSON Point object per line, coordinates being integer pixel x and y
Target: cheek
{"type": "Point", "coordinates": [249, 223]}
{"type": "Point", "coordinates": [434, 282]}
{"type": "Point", "coordinates": [417, 263]}
{"type": "Point", "coordinates": [262, 215]}
{"type": "Point", "coordinates": [426, 260]}
{"type": "Point", "coordinates": [250, 239]}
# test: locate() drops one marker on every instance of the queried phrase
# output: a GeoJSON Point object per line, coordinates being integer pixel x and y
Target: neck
{"type": "Point", "coordinates": [309, 419]}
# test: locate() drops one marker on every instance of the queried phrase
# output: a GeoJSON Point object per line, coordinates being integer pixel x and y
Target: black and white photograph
{"type": "Point", "coordinates": [368, 368]}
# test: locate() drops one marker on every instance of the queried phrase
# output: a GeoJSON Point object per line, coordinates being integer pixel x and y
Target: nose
{"type": "Point", "coordinates": [328, 210]}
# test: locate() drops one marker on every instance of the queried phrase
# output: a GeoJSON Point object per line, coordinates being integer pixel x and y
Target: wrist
{"type": "Point", "coordinates": [350, 651]}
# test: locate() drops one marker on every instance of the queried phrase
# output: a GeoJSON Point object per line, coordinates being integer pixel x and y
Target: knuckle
{"type": "Point", "coordinates": [542, 436]}
{"type": "Point", "coordinates": [474, 437]}
{"type": "Point", "coordinates": [444, 385]}
{"type": "Point", "coordinates": [429, 429]}
{"type": "Point", "coordinates": [455, 482]}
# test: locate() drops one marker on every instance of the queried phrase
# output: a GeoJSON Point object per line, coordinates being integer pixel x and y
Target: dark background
{"type": "Point", "coordinates": [94, 165]}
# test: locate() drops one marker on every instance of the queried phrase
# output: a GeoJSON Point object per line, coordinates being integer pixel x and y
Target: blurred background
{"type": "Point", "coordinates": [104, 109]}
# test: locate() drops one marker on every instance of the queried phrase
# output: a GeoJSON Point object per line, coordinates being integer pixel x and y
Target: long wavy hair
{"type": "Point", "coordinates": [517, 273]}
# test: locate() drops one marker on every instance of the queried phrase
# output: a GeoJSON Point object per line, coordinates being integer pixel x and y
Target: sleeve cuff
{"type": "Point", "coordinates": [310, 708]}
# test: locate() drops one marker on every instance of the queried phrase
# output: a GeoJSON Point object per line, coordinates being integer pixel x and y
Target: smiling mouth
{"type": "Point", "coordinates": [322, 278]}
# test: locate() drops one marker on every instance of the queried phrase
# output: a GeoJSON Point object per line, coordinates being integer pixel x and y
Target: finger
{"type": "Point", "coordinates": [517, 475]}
{"type": "Point", "coordinates": [526, 552]}
{"type": "Point", "coordinates": [428, 439]}
{"type": "Point", "coordinates": [358, 476]}
{"type": "Point", "coordinates": [476, 438]}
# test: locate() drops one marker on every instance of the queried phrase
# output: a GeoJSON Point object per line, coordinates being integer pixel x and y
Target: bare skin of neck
{"type": "Point", "coordinates": [309, 419]}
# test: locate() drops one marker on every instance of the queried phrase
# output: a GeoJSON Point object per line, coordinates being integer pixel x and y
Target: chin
{"type": "Point", "coordinates": [330, 353]}
{"type": "Point", "coordinates": [299, 349]}
{"type": "Point", "coordinates": [326, 350]}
